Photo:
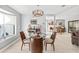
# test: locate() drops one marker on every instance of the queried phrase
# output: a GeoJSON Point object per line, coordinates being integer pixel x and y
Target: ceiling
{"type": "Point", "coordinates": [48, 9]}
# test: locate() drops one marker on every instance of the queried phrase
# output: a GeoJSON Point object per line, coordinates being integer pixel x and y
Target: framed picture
{"type": "Point", "coordinates": [60, 22]}
{"type": "Point", "coordinates": [33, 21]}
{"type": "Point", "coordinates": [73, 25]}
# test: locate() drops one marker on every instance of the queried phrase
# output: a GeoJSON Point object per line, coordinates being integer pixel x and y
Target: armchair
{"type": "Point", "coordinates": [75, 38]}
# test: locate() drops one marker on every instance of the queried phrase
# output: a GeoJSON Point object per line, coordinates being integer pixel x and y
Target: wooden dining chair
{"type": "Point", "coordinates": [51, 41]}
{"type": "Point", "coordinates": [37, 45]}
{"type": "Point", "coordinates": [24, 40]}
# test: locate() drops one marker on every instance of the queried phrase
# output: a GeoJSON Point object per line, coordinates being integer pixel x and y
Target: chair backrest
{"type": "Point", "coordinates": [53, 36]}
{"type": "Point", "coordinates": [22, 35]}
{"type": "Point", "coordinates": [37, 45]}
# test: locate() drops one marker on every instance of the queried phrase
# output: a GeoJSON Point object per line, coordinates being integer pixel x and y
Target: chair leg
{"type": "Point", "coordinates": [46, 47]}
{"type": "Point", "coordinates": [29, 46]}
{"type": "Point", "coordinates": [21, 46]}
{"type": "Point", "coordinates": [53, 47]}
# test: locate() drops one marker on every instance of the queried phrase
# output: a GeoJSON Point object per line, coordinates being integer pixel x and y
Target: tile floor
{"type": "Point", "coordinates": [62, 45]}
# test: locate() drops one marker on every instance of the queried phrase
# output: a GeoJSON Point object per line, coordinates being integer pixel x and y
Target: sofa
{"type": "Point", "coordinates": [75, 38]}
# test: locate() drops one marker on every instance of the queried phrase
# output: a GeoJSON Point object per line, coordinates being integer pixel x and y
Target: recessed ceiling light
{"type": "Point", "coordinates": [63, 5]}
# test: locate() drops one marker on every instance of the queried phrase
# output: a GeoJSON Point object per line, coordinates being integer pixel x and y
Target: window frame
{"type": "Point", "coordinates": [5, 24]}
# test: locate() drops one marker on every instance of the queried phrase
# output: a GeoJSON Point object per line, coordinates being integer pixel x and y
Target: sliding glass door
{"type": "Point", "coordinates": [7, 25]}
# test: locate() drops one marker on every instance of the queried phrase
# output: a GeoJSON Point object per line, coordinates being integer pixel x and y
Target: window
{"type": "Point", "coordinates": [7, 25]}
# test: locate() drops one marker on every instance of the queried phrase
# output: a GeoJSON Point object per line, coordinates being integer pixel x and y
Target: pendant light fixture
{"type": "Point", "coordinates": [38, 12]}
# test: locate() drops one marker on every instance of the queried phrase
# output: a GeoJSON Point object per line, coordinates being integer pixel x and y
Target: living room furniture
{"type": "Point", "coordinates": [73, 25]}
{"type": "Point", "coordinates": [24, 40]}
{"type": "Point", "coordinates": [37, 44]}
{"type": "Point", "coordinates": [75, 38]}
{"type": "Point", "coordinates": [51, 41]}
{"type": "Point", "coordinates": [60, 29]}
{"type": "Point", "coordinates": [60, 25]}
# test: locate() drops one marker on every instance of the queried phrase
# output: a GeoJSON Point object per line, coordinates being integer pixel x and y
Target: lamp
{"type": "Point", "coordinates": [38, 12]}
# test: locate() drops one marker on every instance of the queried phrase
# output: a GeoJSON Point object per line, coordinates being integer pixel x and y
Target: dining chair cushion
{"type": "Point", "coordinates": [26, 41]}
{"type": "Point", "coordinates": [48, 40]}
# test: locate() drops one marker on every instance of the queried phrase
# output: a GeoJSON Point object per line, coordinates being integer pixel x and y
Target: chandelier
{"type": "Point", "coordinates": [38, 12]}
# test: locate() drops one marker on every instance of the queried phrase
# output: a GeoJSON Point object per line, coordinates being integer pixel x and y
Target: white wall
{"type": "Point", "coordinates": [25, 22]}
{"type": "Point", "coordinates": [69, 15]}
